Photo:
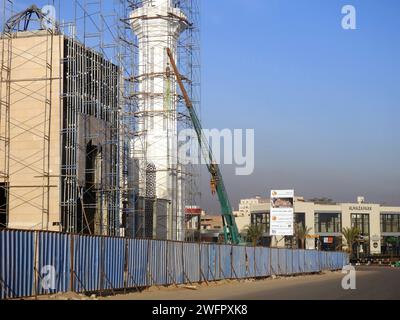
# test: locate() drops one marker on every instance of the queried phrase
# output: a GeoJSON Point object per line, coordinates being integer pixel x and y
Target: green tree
{"type": "Point", "coordinates": [254, 234]}
{"type": "Point", "coordinates": [351, 236]}
{"type": "Point", "coordinates": [301, 232]}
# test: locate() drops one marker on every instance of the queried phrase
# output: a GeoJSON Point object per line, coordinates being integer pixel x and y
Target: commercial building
{"type": "Point", "coordinates": [243, 216]}
{"type": "Point", "coordinates": [379, 225]}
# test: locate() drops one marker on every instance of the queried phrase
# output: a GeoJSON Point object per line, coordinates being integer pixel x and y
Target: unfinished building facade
{"type": "Point", "coordinates": [59, 135]}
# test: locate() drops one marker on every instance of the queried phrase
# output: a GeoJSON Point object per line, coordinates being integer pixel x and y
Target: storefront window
{"type": "Point", "coordinates": [328, 222]}
{"type": "Point", "coordinates": [390, 223]}
{"type": "Point", "coordinates": [391, 246]}
{"type": "Point", "coordinates": [361, 222]}
{"type": "Point", "coordinates": [261, 219]}
{"type": "Point", "coordinates": [300, 218]}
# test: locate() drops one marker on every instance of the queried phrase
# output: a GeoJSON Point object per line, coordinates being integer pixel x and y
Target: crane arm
{"type": "Point", "coordinates": [231, 232]}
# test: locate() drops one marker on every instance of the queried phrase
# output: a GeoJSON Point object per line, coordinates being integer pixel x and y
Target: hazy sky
{"type": "Point", "coordinates": [325, 102]}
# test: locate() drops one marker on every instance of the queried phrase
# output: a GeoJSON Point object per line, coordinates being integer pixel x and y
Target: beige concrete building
{"type": "Point", "coordinates": [58, 136]}
{"type": "Point", "coordinates": [379, 225]}
{"type": "Point", "coordinates": [243, 216]}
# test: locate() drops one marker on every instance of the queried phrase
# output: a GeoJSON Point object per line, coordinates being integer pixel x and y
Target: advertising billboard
{"type": "Point", "coordinates": [282, 213]}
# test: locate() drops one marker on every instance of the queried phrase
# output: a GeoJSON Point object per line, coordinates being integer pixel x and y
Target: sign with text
{"type": "Point", "coordinates": [282, 213]}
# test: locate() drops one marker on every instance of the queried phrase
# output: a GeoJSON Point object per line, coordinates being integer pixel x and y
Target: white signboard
{"type": "Point", "coordinates": [282, 213]}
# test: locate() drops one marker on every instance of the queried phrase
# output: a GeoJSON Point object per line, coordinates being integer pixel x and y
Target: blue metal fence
{"type": "Point", "coordinates": [114, 251]}
{"type": "Point", "coordinates": [275, 270]}
{"type": "Point", "coordinates": [87, 263]}
{"type": "Point", "coordinates": [238, 267]}
{"type": "Point", "coordinates": [261, 262]}
{"type": "Point", "coordinates": [157, 266]}
{"type": "Point", "coordinates": [93, 264]}
{"type": "Point", "coordinates": [214, 260]}
{"type": "Point", "coordinates": [17, 256]}
{"type": "Point", "coordinates": [191, 262]}
{"type": "Point", "coordinates": [175, 263]}
{"type": "Point", "coordinates": [137, 260]}
{"type": "Point", "coordinates": [53, 252]}
{"type": "Point", "coordinates": [225, 261]}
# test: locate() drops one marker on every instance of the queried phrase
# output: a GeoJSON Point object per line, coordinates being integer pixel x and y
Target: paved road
{"type": "Point", "coordinates": [373, 283]}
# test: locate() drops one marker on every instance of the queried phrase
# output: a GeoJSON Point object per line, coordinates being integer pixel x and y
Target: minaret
{"type": "Point", "coordinates": [158, 25]}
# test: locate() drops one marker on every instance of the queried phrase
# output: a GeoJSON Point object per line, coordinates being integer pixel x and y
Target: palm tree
{"type": "Point", "coordinates": [301, 233]}
{"type": "Point", "coordinates": [254, 234]}
{"type": "Point", "coordinates": [351, 236]}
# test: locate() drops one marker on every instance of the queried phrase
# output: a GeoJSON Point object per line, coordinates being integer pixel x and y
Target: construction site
{"type": "Point", "coordinates": [94, 190]}
{"type": "Point", "coordinates": [90, 114]}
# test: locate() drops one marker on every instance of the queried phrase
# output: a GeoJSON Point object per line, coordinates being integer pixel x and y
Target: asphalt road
{"type": "Point", "coordinates": [373, 283]}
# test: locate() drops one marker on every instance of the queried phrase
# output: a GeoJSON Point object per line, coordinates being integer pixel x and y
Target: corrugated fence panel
{"type": "Point", "coordinates": [113, 259]}
{"type": "Point", "coordinates": [191, 259]}
{"type": "Point", "coordinates": [326, 260]}
{"type": "Point", "coordinates": [205, 268]}
{"type": "Point", "coordinates": [157, 262]}
{"type": "Point", "coordinates": [339, 260]}
{"type": "Point", "coordinates": [175, 263]}
{"type": "Point", "coordinates": [261, 259]}
{"type": "Point", "coordinates": [314, 261]}
{"type": "Point", "coordinates": [289, 261]}
{"type": "Point", "coordinates": [225, 261]}
{"type": "Point", "coordinates": [322, 260]}
{"type": "Point", "coordinates": [334, 261]}
{"type": "Point", "coordinates": [282, 263]}
{"type": "Point", "coordinates": [54, 254]}
{"type": "Point", "coordinates": [16, 264]}
{"type": "Point", "coordinates": [250, 264]}
{"type": "Point", "coordinates": [214, 260]}
{"type": "Point", "coordinates": [86, 263]}
{"type": "Point", "coordinates": [302, 261]}
{"type": "Point", "coordinates": [346, 259]}
{"type": "Point", "coordinates": [308, 261]}
{"type": "Point", "coordinates": [274, 261]}
{"type": "Point", "coordinates": [296, 261]}
{"type": "Point", "coordinates": [238, 262]}
{"type": "Point", "coordinates": [331, 262]}
{"type": "Point", "coordinates": [342, 260]}
{"type": "Point", "coordinates": [137, 261]}
{"type": "Point", "coordinates": [99, 262]}
{"type": "Point", "coordinates": [268, 261]}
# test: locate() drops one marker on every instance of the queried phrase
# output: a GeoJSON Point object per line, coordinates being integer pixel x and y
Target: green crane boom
{"type": "Point", "coordinates": [231, 232]}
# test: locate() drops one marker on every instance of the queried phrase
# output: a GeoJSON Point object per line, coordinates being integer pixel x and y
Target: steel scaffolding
{"type": "Point", "coordinates": [90, 85]}
{"type": "Point", "coordinates": [170, 214]}
{"type": "Point", "coordinates": [5, 95]}
{"type": "Point", "coordinates": [19, 90]}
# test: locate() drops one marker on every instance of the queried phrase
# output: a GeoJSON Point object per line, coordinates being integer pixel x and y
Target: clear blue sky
{"type": "Point", "coordinates": [325, 102]}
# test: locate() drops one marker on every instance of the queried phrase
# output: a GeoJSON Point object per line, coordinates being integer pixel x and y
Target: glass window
{"type": "Point", "coordinates": [300, 218]}
{"type": "Point", "coordinates": [328, 222]}
{"type": "Point", "coordinates": [390, 223]}
{"type": "Point", "coordinates": [361, 222]}
{"type": "Point", "coordinates": [261, 219]}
